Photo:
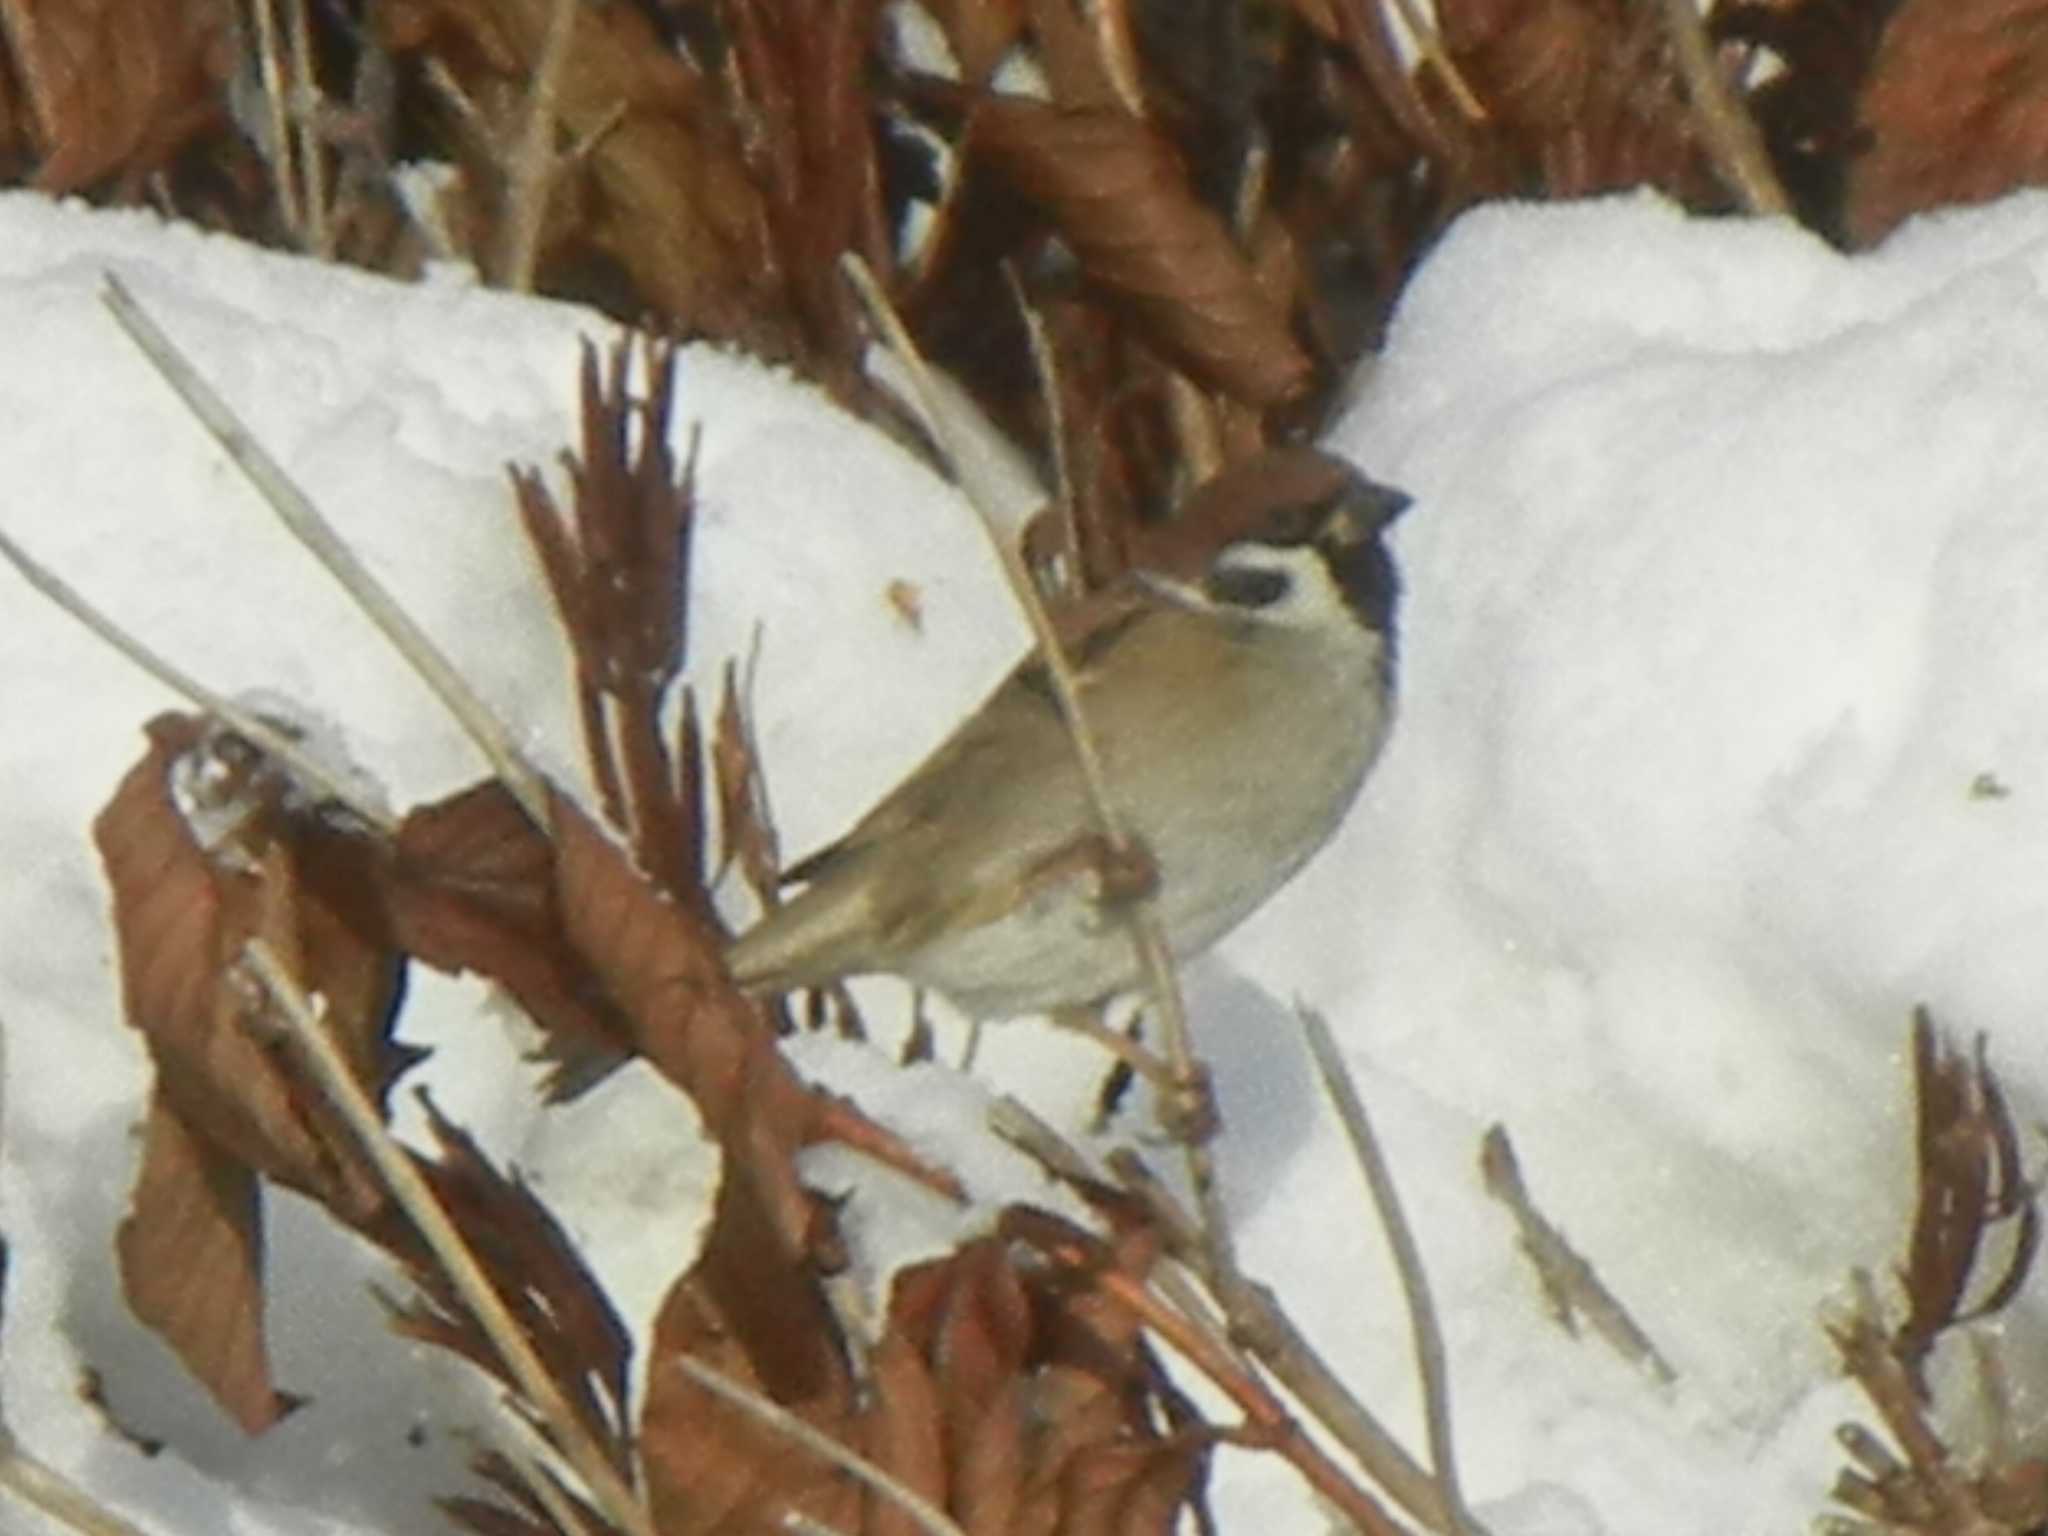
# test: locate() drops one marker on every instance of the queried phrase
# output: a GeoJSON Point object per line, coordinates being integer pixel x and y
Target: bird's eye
{"type": "Point", "coordinates": [1247, 586]}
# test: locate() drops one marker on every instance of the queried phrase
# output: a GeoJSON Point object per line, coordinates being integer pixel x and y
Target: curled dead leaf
{"type": "Point", "coordinates": [1115, 190]}
{"type": "Point", "coordinates": [225, 1108]}
{"type": "Point", "coordinates": [115, 85]}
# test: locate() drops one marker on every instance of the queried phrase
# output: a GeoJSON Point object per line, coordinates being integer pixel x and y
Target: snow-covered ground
{"type": "Point", "coordinates": [1728, 604]}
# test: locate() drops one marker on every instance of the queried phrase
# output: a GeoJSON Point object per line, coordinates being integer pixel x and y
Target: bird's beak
{"type": "Point", "coordinates": [1365, 510]}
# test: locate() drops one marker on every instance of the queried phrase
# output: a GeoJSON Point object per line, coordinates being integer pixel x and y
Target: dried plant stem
{"type": "Point", "coordinates": [44, 1488]}
{"type": "Point", "coordinates": [283, 184]}
{"type": "Point", "coordinates": [1270, 1426]}
{"type": "Point", "coordinates": [1260, 1326]}
{"type": "Point", "coordinates": [1422, 1318]}
{"type": "Point", "coordinates": [305, 120]}
{"type": "Point", "coordinates": [1046, 361]}
{"type": "Point", "coordinates": [304, 521]}
{"type": "Point", "coordinates": [394, 1165]}
{"type": "Point", "coordinates": [984, 497]}
{"type": "Point", "coordinates": [306, 767]}
{"type": "Point", "coordinates": [1148, 938]}
{"type": "Point", "coordinates": [1117, 51]}
{"type": "Point", "coordinates": [1429, 44]}
{"type": "Point", "coordinates": [1731, 134]}
{"type": "Point", "coordinates": [929, 1517]}
{"type": "Point", "coordinates": [531, 174]}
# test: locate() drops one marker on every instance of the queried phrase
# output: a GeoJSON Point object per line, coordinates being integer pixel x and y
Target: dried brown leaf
{"type": "Point", "coordinates": [191, 1259]}
{"type": "Point", "coordinates": [1953, 110]}
{"type": "Point", "coordinates": [115, 85]}
{"type": "Point", "coordinates": [1115, 190]}
{"type": "Point", "coordinates": [902, 1433]}
{"type": "Point", "coordinates": [619, 572]}
{"type": "Point", "coordinates": [1969, 1180]}
{"type": "Point", "coordinates": [669, 196]}
{"type": "Point", "coordinates": [471, 888]}
{"type": "Point", "coordinates": [712, 1467]}
{"type": "Point", "coordinates": [225, 1107]}
{"type": "Point", "coordinates": [1582, 96]}
{"type": "Point", "coordinates": [806, 119]}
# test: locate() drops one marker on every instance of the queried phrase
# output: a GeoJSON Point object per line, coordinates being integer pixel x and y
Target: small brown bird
{"type": "Point", "coordinates": [1240, 682]}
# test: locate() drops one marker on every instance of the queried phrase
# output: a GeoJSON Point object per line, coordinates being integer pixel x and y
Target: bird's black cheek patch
{"type": "Point", "coordinates": [1246, 586]}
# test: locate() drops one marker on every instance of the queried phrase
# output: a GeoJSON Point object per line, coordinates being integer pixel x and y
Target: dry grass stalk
{"type": "Point", "coordinates": [1430, 1364]}
{"type": "Point", "coordinates": [301, 1019]}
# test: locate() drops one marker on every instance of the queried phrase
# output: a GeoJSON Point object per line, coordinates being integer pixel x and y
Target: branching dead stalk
{"type": "Point", "coordinates": [1730, 132]}
{"type": "Point", "coordinates": [301, 1020]}
{"type": "Point", "coordinates": [1260, 1326]}
{"type": "Point", "coordinates": [1148, 937]}
{"type": "Point", "coordinates": [534, 166]}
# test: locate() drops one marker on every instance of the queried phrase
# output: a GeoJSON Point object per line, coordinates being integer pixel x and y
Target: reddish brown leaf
{"type": "Point", "coordinates": [1954, 109]}
{"type": "Point", "coordinates": [902, 1434]}
{"type": "Point", "coordinates": [191, 1256]}
{"type": "Point", "coordinates": [471, 888]}
{"type": "Point", "coordinates": [711, 1467]}
{"type": "Point", "coordinates": [225, 1107]}
{"type": "Point", "coordinates": [1117, 193]}
{"type": "Point", "coordinates": [1969, 1181]}
{"type": "Point", "coordinates": [115, 85]}
{"type": "Point", "coordinates": [181, 920]}
{"type": "Point", "coordinates": [806, 124]}
{"type": "Point", "coordinates": [1582, 96]}
{"type": "Point", "coordinates": [620, 575]}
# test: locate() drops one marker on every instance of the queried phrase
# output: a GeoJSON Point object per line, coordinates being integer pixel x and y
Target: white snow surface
{"type": "Point", "coordinates": [1724, 741]}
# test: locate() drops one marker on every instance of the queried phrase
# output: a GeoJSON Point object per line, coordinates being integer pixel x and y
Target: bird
{"type": "Point", "coordinates": [1240, 682]}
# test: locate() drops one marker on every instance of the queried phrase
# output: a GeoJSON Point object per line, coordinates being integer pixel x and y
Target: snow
{"type": "Point", "coordinates": [1728, 588]}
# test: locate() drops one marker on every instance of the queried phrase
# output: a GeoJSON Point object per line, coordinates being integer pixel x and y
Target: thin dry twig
{"type": "Point", "coordinates": [303, 114]}
{"type": "Point", "coordinates": [245, 723]}
{"type": "Point", "coordinates": [42, 1487]}
{"type": "Point", "coordinates": [542, 1484]}
{"type": "Point", "coordinates": [1429, 45]}
{"type": "Point", "coordinates": [1260, 1326]}
{"type": "Point", "coordinates": [301, 1019]}
{"type": "Point", "coordinates": [929, 1517]}
{"type": "Point", "coordinates": [1044, 359]}
{"type": "Point", "coordinates": [1183, 1115]}
{"type": "Point", "coordinates": [1430, 1365]}
{"type": "Point", "coordinates": [305, 522]}
{"type": "Point", "coordinates": [1570, 1283]}
{"type": "Point", "coordinates": [534, 168]}
{"type": "Point", "coordinates": [1731, 133]}
{"type": "Point", "coordinates": [283, 185]}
